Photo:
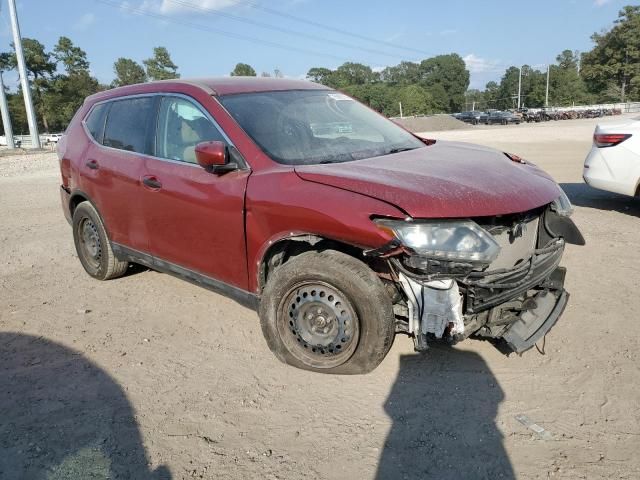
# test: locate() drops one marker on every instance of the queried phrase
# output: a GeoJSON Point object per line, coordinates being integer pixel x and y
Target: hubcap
{"type": "Point", "coordinates": [321, 325]}
{"type": "Point", "coordinates": [90, 246]}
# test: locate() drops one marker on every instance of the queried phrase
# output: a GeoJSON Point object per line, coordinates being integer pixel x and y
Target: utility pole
{"type": "Point", "coordinates": [546, 96]}
{"type": "Point", "coordinates": [24, 79]}
{"type": "Point", "coordinates": [6, 119]}
{"type": "Point", "coordinates": [519, 87]}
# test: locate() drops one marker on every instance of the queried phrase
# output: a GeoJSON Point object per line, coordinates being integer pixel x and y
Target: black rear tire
{"type": "Point", "coordinates": [93, 246]}
{"type": "Point", "coordinates": [333, 287]}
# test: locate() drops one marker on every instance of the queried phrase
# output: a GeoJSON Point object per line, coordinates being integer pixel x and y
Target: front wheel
{"type": "Point", "coordinates": [327, 312]}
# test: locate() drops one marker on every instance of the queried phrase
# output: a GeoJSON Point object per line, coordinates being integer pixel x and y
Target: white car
{"type": "Point", "coordinates": [613, 164]}
{"type": "Point", "coordinates": [52, 137]}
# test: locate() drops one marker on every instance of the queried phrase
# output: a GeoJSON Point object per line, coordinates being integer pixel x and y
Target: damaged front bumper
{"type": "Point", "coordinates": [517, 304]}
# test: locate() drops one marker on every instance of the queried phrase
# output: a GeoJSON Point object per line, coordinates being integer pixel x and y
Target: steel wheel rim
{"type": "Point", "coordinates": [318, 324]}
{"type": "Point", "coordinates": [89, 243]}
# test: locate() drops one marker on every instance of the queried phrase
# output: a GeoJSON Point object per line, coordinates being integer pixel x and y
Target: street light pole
{"type": "Point", "coordinates": [519, 87]}
{"type": "Point", "coordinates": [546, 96]}
{"type": "Point", "coordinates": [24, 79]}
{"type": "Point", "coordinates": [6, 119]}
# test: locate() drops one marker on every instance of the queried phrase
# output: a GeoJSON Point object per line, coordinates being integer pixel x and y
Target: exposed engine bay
{"type": "Point", "coordinates": [517, 296]}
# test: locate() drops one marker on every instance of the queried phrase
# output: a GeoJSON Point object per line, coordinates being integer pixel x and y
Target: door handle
{"type": "Point", "coordinates": [93, 165]}
{"type": "Point", "coordinates": [152, 182]}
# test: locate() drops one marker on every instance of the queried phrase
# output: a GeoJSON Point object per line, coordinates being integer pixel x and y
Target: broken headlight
{"type": "Point", "coordinates": [562, 205]}
{"type": "Point", "coordinates": [454, 240]}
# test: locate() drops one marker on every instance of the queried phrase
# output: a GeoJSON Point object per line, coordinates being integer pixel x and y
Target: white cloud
{"type": "Point", "coordinates": [600, 3]}
{"type": "Point", "coordinates": [477, 64]}
{"type": "Point", "coordinates": [85, 21]}
{"type": "Point", "coordinates": [170, 7]}
{"type": "Point", "coordinates": [175, 7]}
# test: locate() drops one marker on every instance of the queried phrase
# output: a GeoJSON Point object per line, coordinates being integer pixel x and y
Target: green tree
{"type": "Point", "coordinates": [39, 62]}
{"type": "Point", "coordinates": [474, 97]}
{"type": "Point", "coordinates": [449, 71]}
{"type": "Point", "coordinates": [40, 68]}
{"type": "Point", "coordinates": [415, 100]}
{"type": "Point", "coordinates": [18, 113]}
{"type": "Point", "coordinates": [65, 95]}
{"type": "Point", "coordinates": [73, 59]}
{"type": "Point", "coordinates": [614, 62]}
{"type": "Point", "coordinates": [566, 87]}
{"type": "Point", "coordinates": [491, 93]}
{"type": "Point", "coordinates": [128, 72]}
{"type": "Point", "coordinates": [351, 73]}
{"type": "Point", "coordinates": [508, 89]}
{"type": "Point", "coordinates": [160, 66]}
{"type": "Point", "coordinates": [405, 73]}
{"type": "Point", "coordinates": [243, 70]}
{"type": "Point", "coordinates": [320, 75]}
{"type": "Point", "coordinates": [378, 96]}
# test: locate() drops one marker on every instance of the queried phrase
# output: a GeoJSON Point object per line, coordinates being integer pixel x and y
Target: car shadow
{"type": "Point", "coordinates": [62, 417]}
{"type": "Point", "coordinates": [443, 407]}
{"type": "Point", "coordinates": [582, 195]}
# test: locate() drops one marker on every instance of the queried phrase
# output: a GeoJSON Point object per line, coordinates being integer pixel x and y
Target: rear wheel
{"type": "Point", "coordinates": [327, 312]}
{"type": "Point", "coordinates": [92, 244]}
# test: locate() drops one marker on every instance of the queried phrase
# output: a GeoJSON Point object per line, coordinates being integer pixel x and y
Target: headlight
{"type": "Point", "coordinates": [461, 240]}
{"type": "Point", "coordinates": [562, 205]}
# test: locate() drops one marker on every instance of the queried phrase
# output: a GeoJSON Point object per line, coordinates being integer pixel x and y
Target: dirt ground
{"type": "Point", "coordinates": [148, 376]}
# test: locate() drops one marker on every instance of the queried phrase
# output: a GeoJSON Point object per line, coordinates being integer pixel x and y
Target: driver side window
{"type": "Point", "coordinates": [181, 126]}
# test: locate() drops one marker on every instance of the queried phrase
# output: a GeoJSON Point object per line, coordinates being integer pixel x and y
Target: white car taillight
{"type": "Point", "coordinates": [602, 140]}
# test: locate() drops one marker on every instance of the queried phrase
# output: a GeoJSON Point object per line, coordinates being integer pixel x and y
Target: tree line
{"type": "Point", "coordinates": [609, 72]}
{"type": "Point", "coordinates": [61, 80]}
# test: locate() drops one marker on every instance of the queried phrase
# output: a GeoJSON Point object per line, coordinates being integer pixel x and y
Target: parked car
{"type": "Point", "coordinates": [472, 117]}
{"type": "Point", "coordinates": [502, 118]}
{"type": "Point", "coordinates": [17, 142]}
{"type": "Point", "coordinates": [339, 227]}
{"type": "Point", "coordinates": [613, 164]}
{"type": "Point", "coordinates": [52, 137]}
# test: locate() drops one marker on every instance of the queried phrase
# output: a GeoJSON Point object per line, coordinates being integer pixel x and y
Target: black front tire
{"type": "Point", "coordinates": [325, 280]}
{"type": "Point", "coordinates": [93, 246]}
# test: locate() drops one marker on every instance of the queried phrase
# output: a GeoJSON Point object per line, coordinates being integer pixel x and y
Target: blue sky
{"type": "Point", "coordinates": [490, 35]}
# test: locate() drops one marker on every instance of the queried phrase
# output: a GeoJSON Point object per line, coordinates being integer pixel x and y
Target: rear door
{"type": "Point", "coordinates": [195, 218]}
{"type": "Point", "coordinates": [113, 169]}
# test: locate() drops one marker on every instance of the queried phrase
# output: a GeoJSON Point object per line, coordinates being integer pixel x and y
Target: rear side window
{"type": "Point", "coordinates": [130, 123]}
{"type": "Point", "coordinates": [95, 121]}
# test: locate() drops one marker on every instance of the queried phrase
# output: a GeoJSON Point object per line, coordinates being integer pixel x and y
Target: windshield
{"type": "Point", "coordinates": [302, 127]}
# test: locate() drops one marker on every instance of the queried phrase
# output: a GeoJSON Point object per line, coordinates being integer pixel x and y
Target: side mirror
{"type": "Point", "coordinates": [213, 157]}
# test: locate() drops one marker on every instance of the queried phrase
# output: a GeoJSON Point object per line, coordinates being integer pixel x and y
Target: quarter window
{"type": "Point", "coordinates": [129, 124]}
{"type": "Point", "coordinates": [95, 121]}
{"type": "Point", "coordinates": [181, 126]}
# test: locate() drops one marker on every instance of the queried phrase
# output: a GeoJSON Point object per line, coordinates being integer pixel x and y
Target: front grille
{"type": "Point", "coordinates": [517, 242]}
{"type": "Point", "coordinates": [496, 286]}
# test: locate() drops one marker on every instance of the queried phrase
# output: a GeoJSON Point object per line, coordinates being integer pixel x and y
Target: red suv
{"type": "Point", "coordinates": [338, 226]}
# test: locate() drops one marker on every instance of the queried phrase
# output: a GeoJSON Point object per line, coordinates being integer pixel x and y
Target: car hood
{"type": "Point", "coordinates": [444, 180]}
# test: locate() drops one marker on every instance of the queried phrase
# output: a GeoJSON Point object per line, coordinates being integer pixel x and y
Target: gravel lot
{"type": "Point", "coordinates": [151, 377]}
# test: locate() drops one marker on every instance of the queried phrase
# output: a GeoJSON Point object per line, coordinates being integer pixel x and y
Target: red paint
{"type": "Point", "coordinates": [222, 225]}
{"type": "Point", "coordinates": [447, 179]}
{"type": "Point", "coordinates": [211, 154]}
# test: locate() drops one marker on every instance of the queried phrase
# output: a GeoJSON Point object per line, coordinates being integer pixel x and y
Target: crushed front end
{"type": "Point", "coordinates": [492, 277]}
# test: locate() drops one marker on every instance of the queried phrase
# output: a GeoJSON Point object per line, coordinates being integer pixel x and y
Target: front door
{"type": "Point", "coordinates": [195, 218]}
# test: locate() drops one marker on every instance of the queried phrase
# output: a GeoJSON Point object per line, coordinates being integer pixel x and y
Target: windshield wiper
{"type": "Point", "coordinates": [400, 149]}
